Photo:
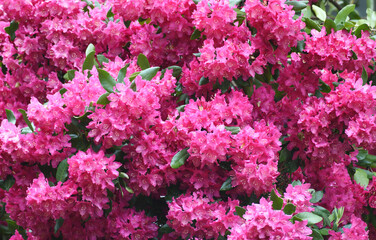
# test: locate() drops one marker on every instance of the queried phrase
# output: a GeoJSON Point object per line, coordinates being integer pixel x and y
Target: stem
{"type": "Point", "coordinates": [336, 4]}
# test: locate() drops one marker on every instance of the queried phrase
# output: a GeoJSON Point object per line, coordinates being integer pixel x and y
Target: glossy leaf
{"type": "Point", "coordinates": [203, 81]}
{"type": "Point", "coordinates": [103, 100]}
{"type": "Point", "coordinates": [343, 13]}
{"type": "Point", "coordinates": [122, 73]}
{"type": "Point", "coordinates": [196, 34]}
{"type": "Point", "coordinates": [240, 211]}
{"type": "Point", "coordinates": [143, 62]}
{"type": "Point", "coordinates": [179, 159]}
{"type": "Point", "coordinates": [107, 81]}
{"type": "Point", "coordinates": [233, 130]}
{"type": "Point", "coordinates": [361, 178]}
{"type": "Point", "coordinates": [176, 71]}
{"type": "Point", "coordinates": [319, 12]}
{"type": "Point", "coordinates": [26, 119]}
{"type": "Point", "coordinates": [311, 217]}
{"type": "Point", "coordinates": [277, 201]}
{"type": "Point", "coordinates": [149, 73]}
{"type": "Point", "coordinates": [330, 25]}
{"type": "Point", "coordinates": [58, 224]}
{"type": "Point", "coordinates": [317, 196]}
{"type": "Point", "coordinates": [89, 60]}
{"type": "Point", "coordinates": [10, 116]}
{"type": "Point", "coordinates": [364, 76]}
{"type": "Point", "coordinates": [311, 24]}
{"type": "Point", "coordinates": [297, 5]}
{"type": "Point", "coordinates": [70, 74]}
{"type": "Point", "coordinates": [226, 186]}
{"type": "Point", "coordinates": [62, 171]}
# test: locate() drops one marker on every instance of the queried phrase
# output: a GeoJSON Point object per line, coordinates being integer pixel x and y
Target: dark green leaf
{"type": "Point", "coordinates": [26, 119]}
{"type": "Point", "coordinates": [7, 183]}
{"type": "Point", "coordinates": [203, 81]}
{"type": "Point", "coordinates": [180, 108]}
{"type": "Point", "coordinates": [110, 14]}
{"type": "Point", "coordinates": [289, 209]}
{"type": "Point", "coordinates": [324, 87]}
{"type": "Point", "coordinates": [297, 5]}
{"type": "Point", "coordinates": [240, 211]}
{"type": "Point", "coordinates": [166, 229]}
{"type": "Point", "coordinates": [62, 171]}
{"type": "Point", "coordinates": [364, 76]}
{"type": "Point", "coordinates": [143, 62]}
{"type": "Point", "coordinates": [316, 235]}
{"type": "Point", "coordinates": [343, 13]}
{"type": "Point", "coordinates": [103, 100]}
{"type": "Point", "coordinates": [358, 31]}
{"type": "Point", "coordinates": [329, 25]}
{"type": "Point", "coordinates": [122, 73]}
{"type": "Point", "coordinates": [317, 196]}
{"type": "Point", "coordinates": [277, 201]}
{"type": "Point", "coordinates": [226, 186]}
{"type": "Point", "coordinates": [149, 73]}
{"type": "Point", "coordinates": [10, 116]}
{"type": "Point", "coordinates": [311, 217]}
{"type": "Point", "coordinates": [324, 213]}
{"type": "Point", "coordinates": [123, 175]}
{"type": "Point", "coordinates": [70, 74]}
{"type": "Point", "coordinates": [11, 30]}
{"type": "Point", "coordinates": [176, 71]}
{"type": "Point", "coordinates": [62, 91]}
{"type": "Point", "coordinates": [361, 178]}
{"type": "Point", "coordinates": [107, 81]}
{"type": "Point", "coordinates": [311, 24]}
{"type": "Point", "coordinates": [58, 224]}
{"type": "Point", "coordinates": [324, 231]}
{"type": "Point", "coordinates": [196, 34]}
{"type": "Point", "coordinates": [179, 159]}
{"type": "Point", "coordinates": [233, 130]}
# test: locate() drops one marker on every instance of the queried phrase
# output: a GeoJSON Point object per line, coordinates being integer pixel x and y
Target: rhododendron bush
{"type": "Point", "coordinates": [182, 119]}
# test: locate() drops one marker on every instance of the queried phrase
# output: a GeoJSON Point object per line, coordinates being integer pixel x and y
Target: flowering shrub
{"type": "Point", "coordinates": [189, 119]}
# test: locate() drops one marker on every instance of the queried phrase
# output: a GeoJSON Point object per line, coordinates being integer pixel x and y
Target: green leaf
{"type": "Point", "coordinates": [133, 76]}
{"type": "Point", "coordinates": [196, 34]}
{"type": "Point", "coordinates": [342, 15]}
{"type": "Point", "coordinates": [58, 224]}
{"type": "Point", "coordinates": [123, 175]}
{"type": "Point", "coordinates": [143, 62]}
{"type": "Point", "coordinates": [10, 116]}
{"type": "Point", "coordinates": [107, 81]}
{"type": "Point", "coordinates": [70, 75]}
{"type": "Point", "coordinates": [296, 183]}
{"type": "Point", "coordinates": [329, 25]}
{"type": "Point", "coordinates": [277, 201]}
{"type": "Point", "coordinates": [149, 73]}
{"type": "Point", "coordinates": [166, 229]}
{"type": "Point", "coordinates": [324, 87]}
{"type": "Point", "coordinates": [7, 183]}
{"type": "Point", "coordinates": [103, 100]}
{"type": "Point", "coordinates": [26, 130]}
{"type": "Point", "coordinates": [316, 235]}
{"type": "Point", "coordinates": [226, 186]}
{"type": "Point", "coordinates": [101, 59]}
{"type": "Point", "coordinates": [317, 196]}
{"type": "Point", "coordinates": [62, 171]}
{"type": "Point", "coordinates": [122, 73]}
{"type": "Point", "coordinates": [179, 159]}
{"type": "Point", "coordinates": [364, 76]}
{"type": "Point", "coordinates": [110, 14]}
{"type": "Point", "coordinates": [358, 31]}
{"type": "Point", "coordinates": [26, 119]}
{"type": "Point", "coordinates": [203, 81]}
{"type": "Point", "coordinates": [89, 60]}
{"type": "Point", "coordinates": [324, 231]}
{"type": "Point", "coordinates": [11, 30]}
{"type": "Point", "coordinates": [319, 12]}
{"type": "Point", "coordinates": [311, 217]}
{"type": "Point", "coordinates": [197, 54]}
{"type": "Point", "coordinates": [233, 130]}
{"type": "Point", "coordinates": [181, 108]}
{"type": "Point", "coordinates": [297, 5]}
{"type": "Point", "coordinates": [289, 209]}
{"type": "Point", "coordinates": [311, 24]}
{"type": "Point", "coordinates": [324, 213]}
{"type": "Point", "coordinates": [361, 178]}
{"type": "Point", "coordinates": [240, 211]}
{"type": "Point", "coordinates": [176, 71]}
{"type": "Point", "coordinates": [62, 91]}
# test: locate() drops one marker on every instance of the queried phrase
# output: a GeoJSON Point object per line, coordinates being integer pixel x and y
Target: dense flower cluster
{"type": "Point", "coordinates": [185, 119]}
